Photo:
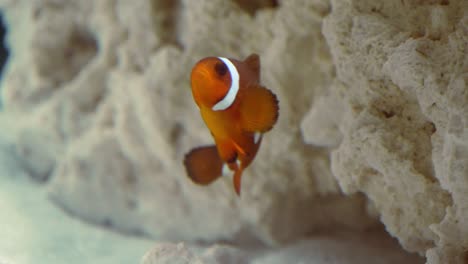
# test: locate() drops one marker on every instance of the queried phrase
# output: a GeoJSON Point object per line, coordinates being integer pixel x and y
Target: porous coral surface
{"type": "Point", "coordinates": [402, 72]}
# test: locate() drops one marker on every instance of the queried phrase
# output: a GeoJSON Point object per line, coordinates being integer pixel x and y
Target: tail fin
{"type": "Point", "coordinates": [203, 164]}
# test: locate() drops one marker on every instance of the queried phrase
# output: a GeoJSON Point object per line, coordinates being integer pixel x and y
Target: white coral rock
{"type": "Point", "coordinates": [108, 82]}
{"type": "Point", "coordinates": [402, 68]}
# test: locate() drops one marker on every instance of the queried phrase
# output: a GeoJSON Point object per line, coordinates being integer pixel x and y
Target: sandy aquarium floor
{"type": "Point", "coordinates": [33, 230]}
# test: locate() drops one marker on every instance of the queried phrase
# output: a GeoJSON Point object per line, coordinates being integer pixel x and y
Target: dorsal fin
{"type": "Point", "coordinates": [253, 61]}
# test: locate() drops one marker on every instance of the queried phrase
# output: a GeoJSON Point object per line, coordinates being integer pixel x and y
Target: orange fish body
{"type": "Point", "coordinates": [236, 109]}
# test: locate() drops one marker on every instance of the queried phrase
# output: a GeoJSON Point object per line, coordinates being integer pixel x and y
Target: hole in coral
{"type": "Point", "coordinates": [176, 132]}
{"type": "Point", "coordinates": [60, 60]}
{"type": "Point", "coordinates": [430, 128]}
{"type": "Point", "coordinates": [80, 49]}
{"type": "Point", "coordinates": [130, 180]}
{"type": "Point", "coordinates": [3, 49]}
{"type": "Point", "coordinates": [388, 114]}
{"type": "Point", "coordinates": [252, 6]}
{"type": "Point", "coordinates": [107, 223]}
{"type": "Point", "coordinates": [413, 3]}
{"type": "Point", "coordinates": [165, 16]}
{"type": "Point", "coordinates": [417, 34]}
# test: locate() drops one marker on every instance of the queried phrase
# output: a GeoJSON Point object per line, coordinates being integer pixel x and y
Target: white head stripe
{"type": "Point", "coordinates": [227, 101]}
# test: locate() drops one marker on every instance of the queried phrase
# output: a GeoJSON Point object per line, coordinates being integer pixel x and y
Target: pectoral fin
{"type": "Point", "coordinates": [203, 164]}
{"type": "Point", "coordinates": [259, 109]}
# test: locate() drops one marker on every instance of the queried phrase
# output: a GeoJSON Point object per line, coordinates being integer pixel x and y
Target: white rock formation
{"type": "Point", "coordinates": [107, 82]}
{"type": "Point", "coordinates": [180, 253]}
{"type": "Point", "coordinates": [345, 248]}
{"type": "Point", "coordinates": [402, 72]}
{"type": "Point", "coordinates": [41, 233]}
{"type": "Point", "coordinates": [105, 85]}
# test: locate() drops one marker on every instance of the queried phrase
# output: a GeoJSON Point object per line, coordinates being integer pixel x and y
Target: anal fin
{"type": "Point", "coordinates": [259, 109]}
{"type": "Point", "coordinates": [203, 164]}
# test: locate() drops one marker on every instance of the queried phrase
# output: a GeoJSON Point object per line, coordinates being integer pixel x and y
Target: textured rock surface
{"type": "Point", "coordinates": [181, 253]}
{"type": "Point", "coordinates": [103, 90]}
{"type": "Point", "coordinates": [402, 72]}
{"type": "Point", "coordinates": [170, 253]}
{"type": "Point", "coordinates": [346, 248]}
{"type": "Point", "coordinates": [107, 84]}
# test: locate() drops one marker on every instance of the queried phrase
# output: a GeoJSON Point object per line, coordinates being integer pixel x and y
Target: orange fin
{"type": "Point", "coordinates": [226, 150]}
{"type": "Point", "coordinates": [237, 180]}
{"type": "Point", "coordinates": [259, 109]}
{"type": "Point", "coordinates": [253, 61]}
{"type": "Point", "coordinates": [203, 164]}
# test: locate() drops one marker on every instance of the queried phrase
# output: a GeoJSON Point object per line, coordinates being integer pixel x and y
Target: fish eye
{"type": "Point", "coordinates": [220, 69]}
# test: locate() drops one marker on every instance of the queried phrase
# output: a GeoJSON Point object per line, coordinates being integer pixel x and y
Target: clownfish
{"type": "Point", "coordinates": [237, 110]}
